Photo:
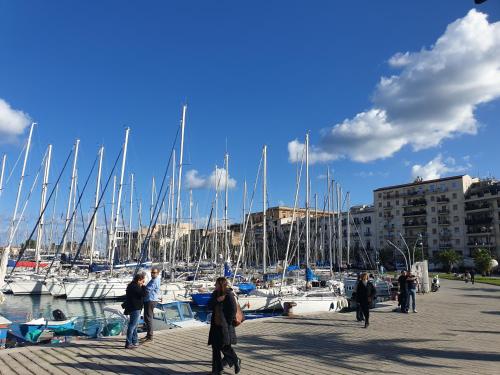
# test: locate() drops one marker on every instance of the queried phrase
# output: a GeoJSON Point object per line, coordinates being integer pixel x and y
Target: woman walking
{"type": "Point", "coordinates": [365, 293]}
{"type": "Point", "coordinates": [222, 332]}
{"type": "Point", "coordinates": [133, 305]}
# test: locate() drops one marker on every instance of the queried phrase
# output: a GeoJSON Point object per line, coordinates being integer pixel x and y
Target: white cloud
{"type": "Point", "coordinates": [12, 122]}
{"type": "Point", "coordinates": [437, 167]}
{"type": "Point", "coordinates": [432, 99]}
{"type": "Point", "coordinates": [217, 178]}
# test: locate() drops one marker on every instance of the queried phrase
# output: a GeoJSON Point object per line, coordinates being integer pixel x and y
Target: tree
{"type": "Point", "coordinates": [482, 261]}
{"type": "Point", "coordinates": [448, 258]}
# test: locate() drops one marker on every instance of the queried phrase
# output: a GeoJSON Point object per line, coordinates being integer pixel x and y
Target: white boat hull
{"type": "Point", "coordinates": [28, 287]}
{"type": "Point", "coordinates": [299, 305]}
{"type": "Point", "coordinates": [258, 303]}
{"type": "Point", "coordinates": [95, 290]}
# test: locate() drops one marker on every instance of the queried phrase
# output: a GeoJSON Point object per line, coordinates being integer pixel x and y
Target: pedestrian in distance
{"type": "Point", "coordinates": [150, 301]}
{"type": "Point", "coordinates": [365, 294]}
{"type": "Point", "coordinates": [222, 333]}
{"type": "Point", "coordinates": [403, 292]}
{"type": "Point", "coordinates": [411, 293]}
{"type": "Point", "coordinates": [134, 302]}
{"type": "Point", "coordinates": [472, 275]}
{"type": "Point", "coordinates": [359, 312]}
{"type": "Point", "coordinates": [467, 277]}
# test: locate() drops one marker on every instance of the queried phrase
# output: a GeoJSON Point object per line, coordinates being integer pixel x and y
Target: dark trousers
{"type": "Point", "coordinates": [359, 313]}
{"type": "Point", "coordinates": [365, 308]}
{"type": "Point", "coordinates": [472, 278]}
{"type": "Point", "coordinates": [229, 355]}
{"type": "Point", "coordinates": [148, 317]}
{"type": "Point", "coordinates": [402, 300]}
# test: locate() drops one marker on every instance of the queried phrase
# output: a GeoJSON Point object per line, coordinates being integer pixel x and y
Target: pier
{"type": "Point", "coordinates": [455, 332]}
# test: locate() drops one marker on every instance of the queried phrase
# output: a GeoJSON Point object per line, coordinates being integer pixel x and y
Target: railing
{"type": "Point", "coordinates": [415, 224]}
{"type": "Point", "coordinates": [415, 213]}
{"type": "Point", "coordinates": [442, 200]}
{"type": "Point", "coordinates": [444, 222]}
{"type": "Point", "coordinates": [479, 221]}
{"type": "Point", "coordinates": [443, 212]}
{"type": "Point", "coordinates": [470, 206]}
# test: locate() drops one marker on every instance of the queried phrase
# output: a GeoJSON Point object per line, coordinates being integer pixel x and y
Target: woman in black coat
{"type": "Point", "coordinates": [133, 305]}
{"type": "Point", "coordinates": [222, 332]}
{"type": "Point", "coordinates": [365, 294]}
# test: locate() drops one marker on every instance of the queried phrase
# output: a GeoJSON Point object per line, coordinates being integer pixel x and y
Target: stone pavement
{"type": "Point", "coordinates": [456, 331]}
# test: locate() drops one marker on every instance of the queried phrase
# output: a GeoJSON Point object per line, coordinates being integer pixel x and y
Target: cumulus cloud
{"type": "Point", "coordinates": [437, 167]}
{"type": "Point", "coordinates": [216, 178]}
{"type": "Point", "coordinates": [432, 98]}
{"type": "Point", "coordinates": [12, 122]}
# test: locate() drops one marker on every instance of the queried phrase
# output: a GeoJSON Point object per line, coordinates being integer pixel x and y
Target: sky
{"type": "Point", "coordinates": [387, 91]}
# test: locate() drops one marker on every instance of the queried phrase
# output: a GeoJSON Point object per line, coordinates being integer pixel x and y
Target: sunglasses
{"type": "Point", "coordinates": [154, 272]}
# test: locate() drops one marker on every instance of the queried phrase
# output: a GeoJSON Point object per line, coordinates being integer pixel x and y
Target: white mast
{"type": "Point", "coordinates": [129, 252]}
{"type": "Point", "coordinates": [339, 226]}
{"type": "Point", "coordinates": [118, 204]}
{"type": "Point", "coordinates": [42, 208]}
{"type": "Point", "coordinates": [71, 187]}
{"type": "Point", "coordinates": [179, 181]}
{"type": "Point", "coordinates": [112, 219]}
{"type": "Point", "coordinates": [172, 219]}
{"type": "Point", "coordinates": [96, 203]}
{"type": "Point", "coordinates": [264, 210]}
{"type": "Point", "coordinates": [73, 223]}
{"type": "Point", "coordinates": [6, 252]}
{"type": "Point", "coordinates": [190, 225]}
{"type": "Point", "coordinates": [226, 190]}
{"type": "Point", "coordinates": [4, 159]}
{"type": "Point", "coordinates": [216, 212]}
{"type": "Point", "coordinates": [53, 218]}
{"type": "Point", "coordinates": [307, 204]}
{"type": "Point", "coordinates": [328, 189]}
{"type": "Point", "coordinates": [153, 189]}
{"type": "Point", "coordinates": [348, 197]}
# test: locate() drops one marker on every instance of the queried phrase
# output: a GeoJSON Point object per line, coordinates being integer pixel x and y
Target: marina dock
{"type": "Point", "coordinates": [455, 332]}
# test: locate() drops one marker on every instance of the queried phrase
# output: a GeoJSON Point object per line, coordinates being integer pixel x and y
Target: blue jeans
{"type": "Point", "coordinates": [413, 294]}
{"type": "Point", "coordinates": [132, 338]}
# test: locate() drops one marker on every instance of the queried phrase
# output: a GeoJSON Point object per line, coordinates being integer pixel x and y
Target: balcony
{"type": "Point", "coordinates": [388, 207]}
{"type": "Point", "coordinates": [486, 220]}
{"type": "Point", "coordinates": [367, 234]}
{"type": "Point", "coordinates": [444, 246]}
{"type": "Point", "coordinates": [415, 213]}
{"type": "Point", "coordinates": [442, 200]}
{"type": "Point", "coordinates": [443, 212]}
{"type": "Point", "coordinates": [415, 224]}
{"type": "Point", "coordinates": [444, 222]}
{"type": "Point", "coordinates": [477, 206]}
{"type": "Point", "coordinates": [475, 244]}
{"type": "Point", "coordinates": [415, 202]}
{"type": "Point", "coordinates": [367, 220]}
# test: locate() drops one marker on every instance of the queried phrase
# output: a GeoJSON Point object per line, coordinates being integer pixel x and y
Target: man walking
{"type": "Point", "coordinates": [472, 275]}
{"type": "Point", "coordinates": [150, 301]}
{"type": "Point", "coordinates": [411, 285]}
{"type": "Point", "coordinates": [365, 294]}
{"type": "Point", "coordinates": [403, 291]}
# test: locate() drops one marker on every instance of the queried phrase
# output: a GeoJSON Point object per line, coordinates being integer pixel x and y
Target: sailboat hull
{"type": "Point", "coordinates": [95, 290]}
{"type": "Point", "coordinates": [28, 287]}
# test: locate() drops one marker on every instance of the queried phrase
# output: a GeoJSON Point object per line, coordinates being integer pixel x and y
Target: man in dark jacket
{"type": "Point", "coordinates": [133, 307]}
{"type": "Point", "coordinates": [222, 332]}
{"type": "Point", "coordinates": [365, 295]}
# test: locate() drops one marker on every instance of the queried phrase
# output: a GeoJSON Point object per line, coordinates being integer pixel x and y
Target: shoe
{"type": "Point", "coordinates": [131, 346]}
{"type": "Point", "coordinates": [237, 366]}
{"type": "Point", "coordinates": [414, 311]}
{"type": "Point", "coordinates": [147, 339]}
{"type": "Point", "coordinates": [366, 325]}
{"type": "Point", "coordinates": [225, 363]}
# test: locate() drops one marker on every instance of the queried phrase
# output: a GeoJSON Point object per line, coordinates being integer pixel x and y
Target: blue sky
{"type": "Point", "coordinates": [252, 73]}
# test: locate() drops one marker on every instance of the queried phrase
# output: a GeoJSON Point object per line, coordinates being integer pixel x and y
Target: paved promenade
{"type": "Point", "coordinates": [456, 331]}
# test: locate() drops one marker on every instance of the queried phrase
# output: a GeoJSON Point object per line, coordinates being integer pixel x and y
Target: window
{"type": "Point", "coordinates": [457, 230]}
{"type": "Point", "coordinates": [432, 198]}
{"type": "Point", "coordinates": [454, 195]}
{"type": "Point", "coordinates": [433, 209]}
{"type": "Point", "coordinates": [380, 195]}
{"type": "Point", "coordinates": [455, 207]}
{"type": "Point", "coordinates": [455, 219]}
{"type": "Point", "coordinates": [435, 242]}
{"type": "Point", "coordinates": [433, 220]}
{"type": "Point", "coordinates": [457, 241]}
{"type": "Point", "coordinates": [397, 212]}
{"type": "Point", "coordinates": [434, 230]}
{"type": "Point", "coordinates": [431, 187]}
{"type": "Point", "coordinates": [380, 204]}
{"type": "Point", "coordinates": [454, 184]}
{"type": "Point", "coordinates": [397, 202]}
{"type": "Point", "coordinates": [380, 214]}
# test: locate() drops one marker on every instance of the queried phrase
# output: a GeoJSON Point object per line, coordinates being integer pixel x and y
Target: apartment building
{"type": "Point", "coordinates": [429, 215]}
{"type": "Point", "coordinates": [482, 210]}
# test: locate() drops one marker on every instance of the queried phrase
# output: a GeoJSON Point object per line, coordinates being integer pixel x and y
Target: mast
{"type": "Point", "coordinates": [315, 227]}
{"type": "Point", "coordinates": [4, 159]}
{"type": "Point", "coordinates": [179, 180]}
{"type": "Point", "coordinates": [153, 188]}
{"type": "Point", "coordinates": [226, 189]}
{"type": "Point", "coordinates": [129, 250]}
{"type": "Point", "coordinates": [70, 197]}
{"type": "Point", "coordinates": [328, 189]}
{"type": "Point", "coordinates": [339, 227]}
{"type": "Point", "coordinates": [6, 252]}
{"type": "Point", "coordinates": [73, 223]}
{"type": "Point", "coordinates": [307, 204]}
{"type": "Point", "coordinates": [96, 204]}
{"type": "Point", "coordinates": [111, 222]}
{"type": "Point", "coordinates": [264, 210]}
{"type": "Point", "coordinates": [118, 204]}
{"type": "Point", "coordinates": [42, 208]}
{"type": "Point", "coordinates": [172, 220]}
{"type": "Point", "coordinates": [216, 212]}
{"type": "Point", "coordinates": [348, 197]}
{"type": "Point", "coordinates": [53, 218]}
{"type": "Point", "coordinates": [190, 225]}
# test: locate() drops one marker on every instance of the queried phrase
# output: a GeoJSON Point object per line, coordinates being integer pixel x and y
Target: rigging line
{"type": "Point", "coordinates": [97, 206]}
{"type": "Point", "coordinates": [15, 164]}
{"type": "Point", "coordinates": [72, 217]}
{"type": "Point", "coordinates": [23, 248]}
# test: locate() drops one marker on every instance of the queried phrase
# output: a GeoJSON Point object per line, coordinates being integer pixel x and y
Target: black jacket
{"type": "Point", "coordinates": [135, 297]}
{"type": "Point", "coordinates": [365, 294]}
{"type": "Point", "coordinates": [224, 334]}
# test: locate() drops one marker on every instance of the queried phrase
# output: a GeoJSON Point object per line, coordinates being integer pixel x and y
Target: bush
{"type": "Point", "coordinates": [448, 258]}
{"type": "Point", "coordinates": [482, 261]}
